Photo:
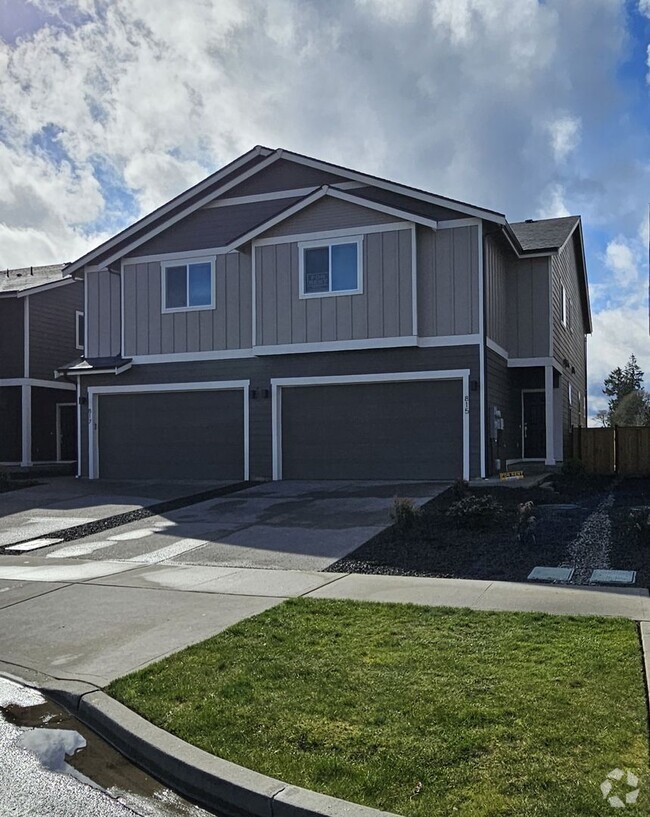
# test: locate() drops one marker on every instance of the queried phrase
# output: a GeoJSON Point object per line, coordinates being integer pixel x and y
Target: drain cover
{"type": "Point", "coordinates": [613, 577]}
{"type": "Point", "coordinates": [550, 574]}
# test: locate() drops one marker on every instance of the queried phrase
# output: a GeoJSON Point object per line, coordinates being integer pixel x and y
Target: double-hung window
{"type": "Point", "coordinates": [331, 267]}
{"type": "Point", "coordinates": [79, 330]}
{"type": "Point", "coordinates": [188, 285]}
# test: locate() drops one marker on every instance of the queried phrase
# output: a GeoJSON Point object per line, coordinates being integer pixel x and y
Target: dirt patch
{"type": "Point", "coordinates": [437, 546]}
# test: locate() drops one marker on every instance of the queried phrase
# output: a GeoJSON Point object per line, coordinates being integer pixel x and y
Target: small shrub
{"type": "Point", "coordinates": [573, 468]}
{"type": "Point", "coordinates": [476, 511]}
{"type": "Point", "coordinates": [637, 525]}
{"type": "Point", "coordinates": [404, 513]}
{"type": "Point", "coordinates": [459, 489]}
{"type": "Point", "coordinates": [526, 523]}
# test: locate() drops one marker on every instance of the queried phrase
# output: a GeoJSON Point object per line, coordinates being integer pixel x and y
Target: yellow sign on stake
{"type": "Point", "coordinates": [511, 475]}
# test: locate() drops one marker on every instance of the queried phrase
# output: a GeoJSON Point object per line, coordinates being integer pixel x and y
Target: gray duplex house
{"type": "Point", "coordinates": [287, 318]}
{"type": "Point", "coordinates": [41, 326]}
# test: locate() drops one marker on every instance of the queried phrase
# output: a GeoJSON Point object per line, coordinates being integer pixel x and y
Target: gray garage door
{"type": "Point", "coordinates": [172, 435]}
{"type": "Point", "coordinates": [410, 430]}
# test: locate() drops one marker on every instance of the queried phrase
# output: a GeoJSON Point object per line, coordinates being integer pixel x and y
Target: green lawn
{"type": "Point", "coordinates": [493, 713]}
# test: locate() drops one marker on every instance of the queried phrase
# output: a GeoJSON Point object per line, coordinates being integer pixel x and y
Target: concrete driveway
{"type": "Point", "coordinates": [64, 502]}
{"type": "Point", "coordinates": [292, 525]}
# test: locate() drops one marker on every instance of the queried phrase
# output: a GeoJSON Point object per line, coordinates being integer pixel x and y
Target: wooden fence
{"type": "Point", "coordinates": [622, 450]}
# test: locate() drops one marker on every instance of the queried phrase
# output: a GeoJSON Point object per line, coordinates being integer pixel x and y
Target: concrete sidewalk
{"type": "Point", "coordinates": [95, 621]}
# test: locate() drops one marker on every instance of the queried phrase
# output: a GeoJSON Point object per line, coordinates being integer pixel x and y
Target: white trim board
{"type": "Point", "coordinates": [294, 193]}
{"type": "Point", "coordinates": [190, 357]}
{"type": "Point", "coordinates": [279, 383]}
{"type": "Point", "coordinates": [494, 346]}
{"type": "Point", "coordinates": [172, 256]}
{"type": "Point", "coordinates": [25, 293]}
{"type": "Point", "coordinates": [94, 392]}
{"type": "Point", "coordinates": [335, 345]}
{"type": "Point", "coordinates": [449, 340]}
{"type": "Point", "coordinates": [340, 233]}
{"type": "Point", "coordinates": [34, 382]}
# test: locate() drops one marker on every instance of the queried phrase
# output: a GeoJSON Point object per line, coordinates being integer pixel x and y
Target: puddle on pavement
{"type": "Point", "coordinates": [66, 746]}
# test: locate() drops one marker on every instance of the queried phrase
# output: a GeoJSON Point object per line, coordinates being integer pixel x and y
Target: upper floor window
{"type": "Point", "coordinates": [331, 267]}
{"type": "Point", "coordinates": [188, 285]}
{"type": "Point", "coordinates": [79, 330]}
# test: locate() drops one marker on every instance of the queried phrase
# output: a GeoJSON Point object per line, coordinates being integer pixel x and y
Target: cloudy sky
{"type": "Point", "coordinates": [534, 108]}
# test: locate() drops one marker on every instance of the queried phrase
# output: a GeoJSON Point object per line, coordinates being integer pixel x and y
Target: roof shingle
{"type": "Point", "coordinates": [545, 234]}
{"type": "Point", "coordinates": [17, 280]}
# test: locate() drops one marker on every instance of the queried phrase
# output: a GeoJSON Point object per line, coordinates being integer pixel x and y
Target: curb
{"type": "Point", "coordinates": [210, 781]}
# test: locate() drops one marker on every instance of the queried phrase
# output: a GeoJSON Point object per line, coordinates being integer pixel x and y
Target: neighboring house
{"type": "Point", "coordinates": [290, 318]}
{"type": "Point", "coordinates": [41, 326]}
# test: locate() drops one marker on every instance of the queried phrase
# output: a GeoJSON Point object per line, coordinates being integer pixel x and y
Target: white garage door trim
{"type": "Point", "coordinates": [217, 385]}
{"type": "Point", "coordinates": [279, 383]}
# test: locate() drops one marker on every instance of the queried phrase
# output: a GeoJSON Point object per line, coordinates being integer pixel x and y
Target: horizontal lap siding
{"type": "Point", "coordinates": [12, 339]}
{"type": "Point", "coordinates": [53, 329]}
{"type": "Point", "coordinates": [504, 394]}
{"type": "Point", "coordinates": [569, 345]}
{"type": "Point", "coordinates": [447, 281]}
{"type": "Point", "coordinates": [10, 423]}
{"type": "Point", "coordinates": [147, 331]}
{"type": "Point", "coordinates": [260, 371]}
{"type": "Point", "coordinates": [383, 309]}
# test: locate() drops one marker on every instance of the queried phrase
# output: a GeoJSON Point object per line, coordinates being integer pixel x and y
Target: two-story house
{"type": "Point", "coordinates": [290, 318]}
{"type": "Point", "coordinates": [41, 326]}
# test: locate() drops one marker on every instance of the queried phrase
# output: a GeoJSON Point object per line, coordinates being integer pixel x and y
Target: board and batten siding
{"type": "Point", "coordinates": [527, 308]}
{"type": "Point", "coordinates": [383, 310]}
{"type": "Point", "coordinates": [53, 328]}
{"type": "Point", "coordinates": [496, 291]}
{"type": "Point", "coordinates": [149, 331]}
{"type": "Point", "coordinates": [448, 293]}
{"type": "Point", "coordinates": [103, 320]}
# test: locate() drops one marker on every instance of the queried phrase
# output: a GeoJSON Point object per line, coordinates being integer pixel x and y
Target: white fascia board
{"type": "Point", "coordinates": [339, 233]}
{"type": "Point", "coordinates": [191, 209]}
{"type": "Point", "coordinates": [525, 362]}
{"type": "Point", "coordinates": [492, 344]}
{"type": "Point", "coordinates": [335, 346]}
{"type": "Point", "coordinates": [294, 193]}
{"type": "Point", "coordinates": [272, 222]}
{"type": "Point", "coordinates": [161, 211]}
{"type": "Point", "coordinates": [191, 357]}
{"type": "Point", "coordinates": [24, 293]}
{"type": "Point", "coordinates": [394, 187]}
{"type": "Point", "coordinates": [383, 208]}
{"type": "Point", "coordinates": [449, 340]}
{"type": "Point", "coordinates": [36, 383]}
{"type": "Point", "coordinates": [381, 377]}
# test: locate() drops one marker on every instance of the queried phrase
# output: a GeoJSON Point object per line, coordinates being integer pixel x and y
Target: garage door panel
{"type": "Point", "coordinates": [172, 435]}
{"type": "Point", "coordinates": [408, 430]}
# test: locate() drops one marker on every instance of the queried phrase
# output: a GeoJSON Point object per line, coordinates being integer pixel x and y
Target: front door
{"type": "Point", "coordinates": [534, 425]}
{"type": "Point", "coordinates": [67, 431]}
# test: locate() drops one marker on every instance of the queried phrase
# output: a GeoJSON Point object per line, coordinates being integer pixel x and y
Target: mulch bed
{"type": "Point", "coordinates": [630, 546]}
{"type": "Point", "coordinates": [437, 546]}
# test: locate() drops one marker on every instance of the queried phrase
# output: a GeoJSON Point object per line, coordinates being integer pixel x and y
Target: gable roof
{"type": "Point", "coordinates": [544, 234]}
{"type": "Point", "coordinates": [233, 174]}
{"type": "Point", "coordinates": [25, 278]}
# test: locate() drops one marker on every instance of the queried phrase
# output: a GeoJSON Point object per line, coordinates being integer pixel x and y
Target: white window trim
{"type": "Point", "coordinates": [79, 340]}
{"type": "Point", "coordinates": [217, 385]}
{"type": "Point", "coordinates": [186, 262]}
{"type": "Point", "coordinates": [329, 243]}
{"type": "Point", "coordinates": [570, 394]}
{"type": "Point", "coordinates": [564, 305]}
{"type": "Point", "coordinates": [277, 384]}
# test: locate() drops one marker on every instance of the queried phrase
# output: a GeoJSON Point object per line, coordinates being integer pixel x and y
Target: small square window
{"type": "Point", "coordinates": [330, 268]}
{"type": "Point", "coordinates": [188, 285]}
{"type": "Point", "coordinates": [80, 330]}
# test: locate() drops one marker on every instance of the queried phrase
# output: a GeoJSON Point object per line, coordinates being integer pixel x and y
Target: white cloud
{"type": "Point", "coordinates": [564, 133]}
{"type": "Point", "coordinates": [644, 7]}
{"type": "Point", "coordinates": [553, 204]}
{"type": "Point", "coordinates": [621, 261]}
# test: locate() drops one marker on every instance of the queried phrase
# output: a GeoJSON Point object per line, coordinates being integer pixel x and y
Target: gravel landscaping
{"type": "Point", "coordinates": [579, 521]}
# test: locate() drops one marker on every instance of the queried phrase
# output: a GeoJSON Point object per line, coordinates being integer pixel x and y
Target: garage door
{"type": "Point", "coordinates": [411, 430]}
{"type": "Point", "coordinates": [171, 435]}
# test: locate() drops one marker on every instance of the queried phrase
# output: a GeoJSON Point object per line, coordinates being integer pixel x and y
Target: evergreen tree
{"type": "Point", "coordinates": [621, 382]}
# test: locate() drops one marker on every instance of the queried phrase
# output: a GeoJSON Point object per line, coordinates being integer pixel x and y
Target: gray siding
{"type": "Point", "coordinates": [447, 281]}
{"type": "Point", "coordinates": [261, 370]}
{"type": "Point", "coordinates": [12, 339]}
{"type": "Point", "coordinates": [52, 329]}
{"type": "Point", "coordinates": [504, 393]}
{"type": "Point", "coordinates": [284, 175]}
{"type": "Point", "coordinates": [383, 309]}
{"type": "Point", "coordinates": [11, 402]}
{"type": "Point", "coordinates": [528, 307]}
{"type": "Point", "coordinates": [496, 290]}
{"type": "Point", "coordinates": [147, 331]}
{"type": "Point", "coordinates": [569, 343]}
{"type": "Point", "coordinates": [329, 214]}
{"type": "Point", "coordinates": [212, 227]}
{"type": "Point", "coordinates": [103, 321]}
